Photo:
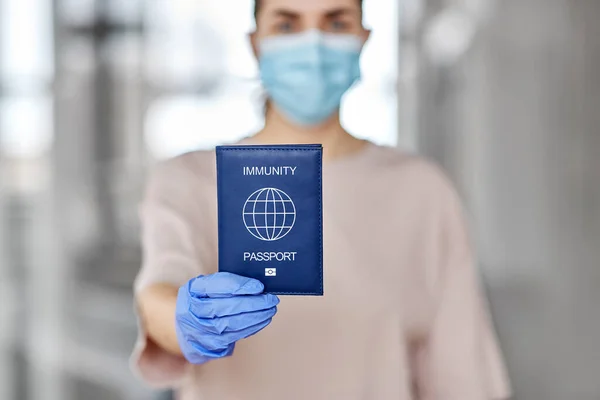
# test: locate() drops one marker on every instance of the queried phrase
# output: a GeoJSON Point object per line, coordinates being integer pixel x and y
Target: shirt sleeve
{"type": "Point", "coordinates": [171, 244]}
{"type": "Point", "coordinates": [460, 357]}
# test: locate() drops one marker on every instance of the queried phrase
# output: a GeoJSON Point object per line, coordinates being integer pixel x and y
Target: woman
{"type": "Point", "coordinates": [402, 317]}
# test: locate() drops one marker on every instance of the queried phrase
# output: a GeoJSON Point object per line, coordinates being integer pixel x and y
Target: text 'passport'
{"type": "Point", "coordinates": [270, 215]}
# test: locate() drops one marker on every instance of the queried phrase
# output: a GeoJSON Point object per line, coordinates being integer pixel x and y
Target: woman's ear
{"type": "Point", "coordinates": [366, 34]}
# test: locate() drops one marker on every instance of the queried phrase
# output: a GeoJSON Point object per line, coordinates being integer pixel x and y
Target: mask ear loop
{"type": "Point", "coordinates": [260, 98]}
{"type": "Point", "coordinates": [258, 95]}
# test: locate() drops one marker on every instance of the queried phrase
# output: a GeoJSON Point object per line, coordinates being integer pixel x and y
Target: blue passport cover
{"type": "Point", "coordinates": [270, 215]}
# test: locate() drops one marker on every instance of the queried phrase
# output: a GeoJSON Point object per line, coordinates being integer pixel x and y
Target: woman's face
{"type": "Point", "coordinates": [281, 17]}
{"type": "Point", "coordinates": [305, 73]}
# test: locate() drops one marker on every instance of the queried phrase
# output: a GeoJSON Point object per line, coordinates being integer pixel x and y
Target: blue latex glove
{"type": "Point", "coordinates": [215, 311]}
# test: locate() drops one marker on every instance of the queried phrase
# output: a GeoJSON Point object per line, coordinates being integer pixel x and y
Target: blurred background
{"type": "Point", "coordinates": [504, 94]}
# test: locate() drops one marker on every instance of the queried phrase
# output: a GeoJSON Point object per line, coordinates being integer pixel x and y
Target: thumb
{"type": "Point", "coordinates": [224, 284]}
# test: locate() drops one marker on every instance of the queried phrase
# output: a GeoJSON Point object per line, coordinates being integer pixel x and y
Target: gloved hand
{"type": "Point", "coordinates": [215, 311]}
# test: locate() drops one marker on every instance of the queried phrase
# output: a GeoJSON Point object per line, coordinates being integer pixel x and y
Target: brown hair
{"type": "Point", "coordinates": [258, 2]}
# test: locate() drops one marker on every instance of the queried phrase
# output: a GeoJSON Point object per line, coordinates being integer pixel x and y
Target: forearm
{"type": "Point", "coordinates": [157, 310]}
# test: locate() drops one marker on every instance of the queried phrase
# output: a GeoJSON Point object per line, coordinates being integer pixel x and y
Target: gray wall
{"type": "Point", "coordinates": [516, 121]}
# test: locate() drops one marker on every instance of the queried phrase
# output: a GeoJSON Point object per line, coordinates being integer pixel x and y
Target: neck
{"type": "Point", "coordinates": [335, 140]}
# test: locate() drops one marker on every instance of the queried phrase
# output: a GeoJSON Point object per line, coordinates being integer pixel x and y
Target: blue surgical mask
{"type": "Point", "coordinates": [306, 74]}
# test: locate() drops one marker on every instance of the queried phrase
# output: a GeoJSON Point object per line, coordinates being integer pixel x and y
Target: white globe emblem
{"type": "Point", "coordinates": [269, 214]}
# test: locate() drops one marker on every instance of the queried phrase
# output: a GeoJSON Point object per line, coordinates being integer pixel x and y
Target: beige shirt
{"type": "Point", "coordinates": [402, 318]}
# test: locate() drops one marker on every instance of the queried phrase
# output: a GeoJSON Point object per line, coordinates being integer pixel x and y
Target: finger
{"type": "Point", "coordinates": [200, 354]}
{"type": "Point", "coordinates": [234, 323]}
{"type": "Point", "coordinates": [224, 284]}
{"type": "Point", "coordinates": [217, 342]}
{"type": "Point", "coordinates": [232, 337]}
{"type": "Point", "coordinates": [221, 307]}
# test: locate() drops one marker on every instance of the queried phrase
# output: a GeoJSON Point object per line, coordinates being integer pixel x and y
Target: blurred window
{"type": "Point", "coordinates": [27, 125]}
{"type": "Point", "coordinates": [26, 74]}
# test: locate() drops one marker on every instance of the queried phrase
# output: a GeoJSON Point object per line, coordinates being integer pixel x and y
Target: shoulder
{"type": "Point", "coordinates": [430, 197]}
{"type": "Point", "coordinates": [190, 176]}
{"type": "Point", "coordinates": [413, 172]}
{"type": "Point", "coordinates": [198, 166]}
